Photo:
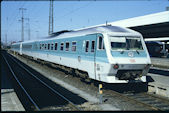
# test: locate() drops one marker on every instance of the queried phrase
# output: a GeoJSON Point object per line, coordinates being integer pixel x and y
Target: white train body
{"type": "Point", "coordinates": [109, 54]}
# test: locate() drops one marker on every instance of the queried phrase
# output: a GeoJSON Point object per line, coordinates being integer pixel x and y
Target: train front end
{"type": "Point", "coordinates": [128, 57]}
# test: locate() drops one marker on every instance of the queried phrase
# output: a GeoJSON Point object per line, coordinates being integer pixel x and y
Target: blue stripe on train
{"type": "Point", "coordinates": [74, 56]}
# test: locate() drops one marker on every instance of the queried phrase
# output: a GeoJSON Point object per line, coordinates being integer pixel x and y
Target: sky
{"type": "Point", "coordinates": [69, 15]}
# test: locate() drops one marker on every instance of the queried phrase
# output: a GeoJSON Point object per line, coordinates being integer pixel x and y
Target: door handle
{"type": "Point", "coordinates": [79, 58]}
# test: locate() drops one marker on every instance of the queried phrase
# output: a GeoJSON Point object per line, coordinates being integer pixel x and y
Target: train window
{"type": "Point", "coordinates": [40, 46]}
{"type": "Point", "coordinates": [73, 46]}
{"type": "Point", "coordinates": [56, 44]}
{"type": "Point", "coordinates": [48, 46]}
{"type": "Point", "coordinates": [67, 46]}
{"type": "Point", "coordinates": [52, 46]}
{"type": "Point", "coordinates": [87, 46]}
{"type": "Point", "coordinates": [61, 46]}
{"type": "Point", "coordinates": [45, 46]}
{"type": "Point", "coordinates": [100, 43]}
{"type": "Point", "coordinates": [26, 46]}
{"type": "Point", "coordinates": [103, 46]}
{"type": "Point", "coordinates": [93, 45]}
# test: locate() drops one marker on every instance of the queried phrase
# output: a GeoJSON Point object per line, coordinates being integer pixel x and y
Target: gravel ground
{"type": "Point", "coordinates": [87, 91]}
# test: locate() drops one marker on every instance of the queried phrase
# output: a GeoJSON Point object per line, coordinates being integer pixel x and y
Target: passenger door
{"type": "Point", "coordinates": [100, 57]}
{"type": "Point", "coordinates": [21, 48]}
{"type": "Point", "coordinates": [88, 54]}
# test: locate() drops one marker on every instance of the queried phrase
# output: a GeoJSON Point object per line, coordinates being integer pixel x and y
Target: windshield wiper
{"type": "Point", "coordinates": [121, 52]}
{"type": "Point", "coordinates": [137, 52]}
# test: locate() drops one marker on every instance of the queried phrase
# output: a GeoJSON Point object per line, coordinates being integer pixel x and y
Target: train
{"type": "Point", "coordinates": [108, 54]}
{"type": "Point", "coordinates": [157, 49]}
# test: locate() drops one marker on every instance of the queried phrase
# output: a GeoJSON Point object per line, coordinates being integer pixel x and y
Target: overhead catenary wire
{"type": "Point", "coordinates": [14, 17]}
{"type": "Point", "coordinates": [74, 10]}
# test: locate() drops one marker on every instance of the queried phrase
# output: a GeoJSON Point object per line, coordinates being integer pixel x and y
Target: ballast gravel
{"type": "Point", "coordinates": [75, 85]}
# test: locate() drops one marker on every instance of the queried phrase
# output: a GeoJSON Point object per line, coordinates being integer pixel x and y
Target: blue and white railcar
{"type": "Point", "coordinates": [109, 54]}
{"type": "Point", "coordinates": [17, 47]}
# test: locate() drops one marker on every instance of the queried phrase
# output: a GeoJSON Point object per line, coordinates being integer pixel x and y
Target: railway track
{"type": "Point", "coordinates": [155, 102]}
{"type": "Point", "coordinates": [155, 70]}
{"type": "Point", "coordinates": [41, 95]}
{"type": "Point", "coordinates": [144, 101]}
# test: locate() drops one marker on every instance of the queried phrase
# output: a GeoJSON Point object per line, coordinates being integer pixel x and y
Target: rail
{"type": "Point", "coordinates": [74, 107]}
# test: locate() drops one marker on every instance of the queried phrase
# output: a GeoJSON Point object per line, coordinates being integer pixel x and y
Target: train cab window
{"type": "Point", "coordinates": [67, 46]}
{"type": "Point", "coordinates": [73, 46]}
{"type": "Point", "coordinates": [56, 45]}
{"type": "Point", "coordinates": [100, 43]}
{"type": "Point", "coordinates": [48, 46]}
{"type": "Point", "coordinates": [61, 46]}
{"type": "Point", "coordinates": [87, 46]}
{"type": "Point", "coordinates": [52, 46]}
{"type": "Point", "coordinates": [93, 46]}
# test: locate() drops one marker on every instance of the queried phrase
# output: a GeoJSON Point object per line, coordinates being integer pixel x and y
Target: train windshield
{"type": "Point", "coordinates": [126, 43]}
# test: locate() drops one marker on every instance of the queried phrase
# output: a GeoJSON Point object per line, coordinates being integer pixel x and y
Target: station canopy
{"type": "Point", "coordinates": [150, 26]}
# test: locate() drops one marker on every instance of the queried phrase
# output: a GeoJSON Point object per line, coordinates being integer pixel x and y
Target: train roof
{"type": "Point", "coordinates": [92, 30]}
{"type": "Point", "coordinates": [103, 29]}
{"type": "Point", "coordinates": [153, 42]}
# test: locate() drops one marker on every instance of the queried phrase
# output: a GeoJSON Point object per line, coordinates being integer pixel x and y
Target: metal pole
{"type": "Point", "coordinates": [37, 34]}
{"type": "Point", "coordinates": [22, 19]}
{"type": "Point", "coordinates": [6, 39]}
{"type": "Point", "coordinates": [6, 32]}
{"type": "Point", "coordinates": [51, 17]}
{"type": "Point", "coordinates": [100, 93]}
{"type": "Point", "coordinates": [28, 28]}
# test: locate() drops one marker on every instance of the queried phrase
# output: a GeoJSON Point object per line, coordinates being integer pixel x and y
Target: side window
{"type": "Point", "coordinates": [67, 46]}
{"type": "Point", "coordinates": [48, 46]}
{"type": "Point", "coordinates": [45, 46]}
{"type": "Point", "coordinates": [87, 46]}
{"type": "Point", "coordinates": [100, 43]}
{"type": "Point", "coordinates": [93, 46]}
{"type": "Point", "coordinates": [40, 46]}
{"type": "Point", "coordinates": [73, 46]}
{"type": "Point", "coordinates": [56, 45]}
{"type": "Point", "coordinates": [52, 46]}
{"type": "Point", "coordinates": [61, 46]}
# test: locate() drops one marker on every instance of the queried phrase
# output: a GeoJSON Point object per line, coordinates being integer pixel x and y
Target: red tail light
{"type": "Point", "coordinates": [116, 66]}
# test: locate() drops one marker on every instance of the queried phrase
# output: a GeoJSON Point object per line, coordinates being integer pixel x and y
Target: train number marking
{"type": "Point", "coordinates": [132, 60]}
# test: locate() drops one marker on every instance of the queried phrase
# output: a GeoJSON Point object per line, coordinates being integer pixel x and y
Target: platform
{"type": "Point", "coordinates": [9, 99]}
{"type": "Point", "coordinates": [160, 62]}
{"type": "Point", "coordinates": [158, 84]}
